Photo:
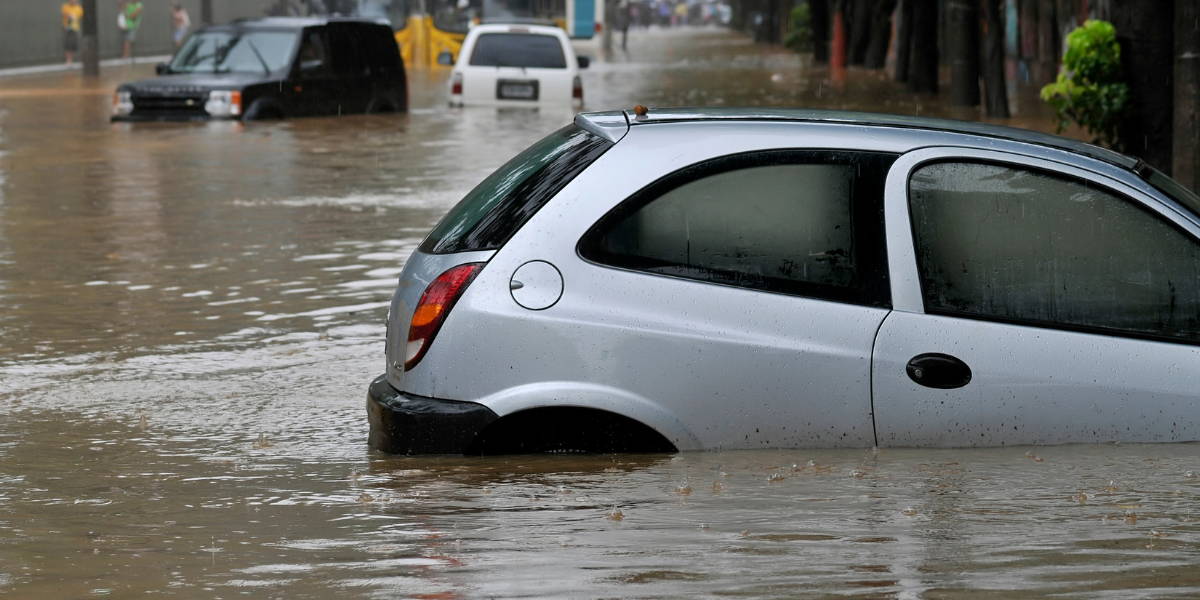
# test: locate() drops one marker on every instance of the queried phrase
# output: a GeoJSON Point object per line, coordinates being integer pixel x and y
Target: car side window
{"type": "Point", "coordinates": [1019, 245]}
{"type": "Point", "coordinates": [806, 223]}
{"type": "Point", "coordinates": [313, 61]}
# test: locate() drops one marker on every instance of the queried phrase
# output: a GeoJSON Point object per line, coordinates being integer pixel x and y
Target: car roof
{"type": "Point", "coordinates": [614, 124]}
{"type": "Point", "coordinates": [517, 28]}
{"type": "Point", "coordinates": [292, 22]}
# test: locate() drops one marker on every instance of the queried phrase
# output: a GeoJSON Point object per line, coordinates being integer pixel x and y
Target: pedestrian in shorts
{"type": "Point", "coordinates": [72, 23]}
{"type": "Point", "coordinates": [129, 19]}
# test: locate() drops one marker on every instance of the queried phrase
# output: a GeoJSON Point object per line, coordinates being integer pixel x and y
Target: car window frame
{"type": "Point", "coordinates": [876, 295]}
{"type": "Point", "coordinates": [1141, 201]}
{"type": "Point", "coordinates": [327, 70]}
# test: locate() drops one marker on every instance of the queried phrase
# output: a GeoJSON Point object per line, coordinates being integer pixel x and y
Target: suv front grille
{"type": "Point", "coordinates": [170, 102]}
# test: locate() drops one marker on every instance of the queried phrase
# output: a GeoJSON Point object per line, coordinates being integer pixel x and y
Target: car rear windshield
{"type": "Point", "coordinates": [492, 212]}
{"type": "Point", "coordinates": [530, 50]}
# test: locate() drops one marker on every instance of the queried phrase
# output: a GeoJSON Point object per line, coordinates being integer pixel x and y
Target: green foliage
{"type": "Point", "coordinates": [1089, 90]}
{"type": "Point", "coordinates": [799, 36]}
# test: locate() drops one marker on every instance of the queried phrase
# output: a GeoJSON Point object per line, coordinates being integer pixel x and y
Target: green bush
{"type": "Point", "coordinates": [1089, 90]}
{"type": "Point", "coordinates": [799, 36]}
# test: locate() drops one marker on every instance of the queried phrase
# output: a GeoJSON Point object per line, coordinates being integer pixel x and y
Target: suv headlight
{"type": "Point", "coordinates": [224, 103]}
{"type": "Point", "coordinates": [122, 104]}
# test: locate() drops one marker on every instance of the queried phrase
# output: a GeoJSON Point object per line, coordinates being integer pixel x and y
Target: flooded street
{"type": "Point", "coordinates": [192, 313]}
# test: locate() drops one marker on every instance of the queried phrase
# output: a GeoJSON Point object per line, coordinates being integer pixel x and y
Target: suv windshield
{"type": "Point", "coordinates": [493, 211]}
{"type": "Point", "coordinates": [235, 51]}
{"type": "Point", "coordinates": [518, 50]}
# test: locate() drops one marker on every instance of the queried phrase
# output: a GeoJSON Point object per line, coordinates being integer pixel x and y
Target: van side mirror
{"type": "Point", "coordinates": [162, 69]}
{"type": "Point", "coordinates": [583, 61]}
{"type": "Point", "coordinates": [445, 58]}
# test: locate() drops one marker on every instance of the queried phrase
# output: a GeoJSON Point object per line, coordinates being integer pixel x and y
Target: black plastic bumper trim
{"type": "Point", "coordinates": [404, 423]}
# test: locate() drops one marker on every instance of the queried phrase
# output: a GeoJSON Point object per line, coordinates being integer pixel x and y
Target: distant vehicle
{"type": "Point", "coordinates": [516, 65]}
{"type": "Point", "coordinates": [701, 279]}
{"type": "Point", "coordinates": [273, 68]}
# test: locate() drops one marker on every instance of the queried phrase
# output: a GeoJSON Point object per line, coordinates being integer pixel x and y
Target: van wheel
{"type": "Point", "coordinates": [567, 430]}
{"type": "Point", "coordinates": [261, 111]}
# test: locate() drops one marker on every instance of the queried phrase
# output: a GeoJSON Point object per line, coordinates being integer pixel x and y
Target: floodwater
{"type": "Point", "coordinates": [192, 313]}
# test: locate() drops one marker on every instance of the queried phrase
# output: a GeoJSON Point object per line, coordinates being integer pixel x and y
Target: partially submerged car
{"type": "Point", "coordinates": [516, 64]}
{"type": "Point", "coordinates": [273, 68]}
{"type": "Point", "coordinates": [694, 279]}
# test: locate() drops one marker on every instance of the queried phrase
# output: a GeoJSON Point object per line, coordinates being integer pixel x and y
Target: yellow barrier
{"type": "Point", "coordinates": [420, 42]}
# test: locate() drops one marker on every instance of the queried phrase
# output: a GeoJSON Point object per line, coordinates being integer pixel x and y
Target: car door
{"type": "Point", "coordinates": [351, 89]}
{"type": "Point", "coordinates": [1035, 303]}
{"type": "Point", "coordinates": [313, 78]}
{"type": "Point", "coordinates": [742, 293]}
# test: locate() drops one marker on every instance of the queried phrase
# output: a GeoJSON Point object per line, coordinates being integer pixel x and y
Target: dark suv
{"type": "Point", "coordinates": [273, 68]}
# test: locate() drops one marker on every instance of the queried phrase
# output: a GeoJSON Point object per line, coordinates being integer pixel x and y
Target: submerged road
{"type": "Point", "coordinates": [192, 313]}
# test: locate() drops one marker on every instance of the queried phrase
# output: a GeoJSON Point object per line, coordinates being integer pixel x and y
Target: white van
{"type": "Point", "coordinates": [516, 65]}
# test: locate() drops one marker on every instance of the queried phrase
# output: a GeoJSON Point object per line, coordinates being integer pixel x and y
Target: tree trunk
{"type": "Point", "coordinates": [962, 37]}
{"type": "Point", "coordinates": [993, 61]}
{"type": "Point", "coordinates": [818, 10]}
{"type": "Point", "coordinates": [858, 21]}
{"type": "Point", "coordinates": [923, 48]}
{"type": "Point", "coordinates": [1047, 60]}
{"type": "Point", "coordinates": [1186, 162]}
{"type": "Point", "coordinates": [881, 34]}
{"type": "Point", "coordinates": [1145, 31]}
{"type": "Point", "coordinates": [903, 39]}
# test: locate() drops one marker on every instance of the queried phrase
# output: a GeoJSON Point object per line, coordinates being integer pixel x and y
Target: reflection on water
{"type": "Point", "coordinates": [193, 311]}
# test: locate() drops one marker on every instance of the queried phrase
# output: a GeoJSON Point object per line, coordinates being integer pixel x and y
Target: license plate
{"type": "Point", "coordinates": [509, 89]}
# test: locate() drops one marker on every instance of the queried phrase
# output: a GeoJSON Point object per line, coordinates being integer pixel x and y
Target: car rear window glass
{"type": "Point", "coordinates": [529, 50]}
{"type": "Point", "coordinates": [796, 222]}
{"type": "Point", "coordinates": [489, 214]}
{"type": "Point", "coordinates": [1016, 245]}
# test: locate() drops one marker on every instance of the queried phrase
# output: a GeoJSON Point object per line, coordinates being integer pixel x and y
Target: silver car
{"type": "Point", "coordinates": [698, 279]}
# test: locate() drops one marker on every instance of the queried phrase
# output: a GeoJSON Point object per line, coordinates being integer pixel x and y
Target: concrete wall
{"type": "Point", "coordinates": [31, 30]}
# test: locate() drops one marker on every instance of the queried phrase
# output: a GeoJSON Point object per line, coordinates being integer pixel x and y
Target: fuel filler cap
{"type": "Point", "coordinates": [536, 285]}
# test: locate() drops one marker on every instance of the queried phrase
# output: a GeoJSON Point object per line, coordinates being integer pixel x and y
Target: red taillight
{"type": "Point", "coordinates": [456, 84]}
{"type": "Point", "coordinates": [577, 89]}
{"type": "Point", "coordinates": [431, 311]}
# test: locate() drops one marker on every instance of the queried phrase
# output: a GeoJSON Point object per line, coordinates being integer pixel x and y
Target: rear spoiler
{"type": "Point", "coordinates": [611, 125]}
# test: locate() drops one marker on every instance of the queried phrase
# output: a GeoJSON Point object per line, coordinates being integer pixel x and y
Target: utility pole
{"type": "Point", "coordinates": [206, 15]}
{"type": "Point", "coordinates": [90, 41]}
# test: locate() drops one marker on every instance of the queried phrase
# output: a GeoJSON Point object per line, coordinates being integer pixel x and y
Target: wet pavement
{"type": "Point", "coordinates": [192, 313]}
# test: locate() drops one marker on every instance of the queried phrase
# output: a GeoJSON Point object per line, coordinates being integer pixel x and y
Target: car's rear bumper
{"type": "Point", "coordinates": [406, 424]}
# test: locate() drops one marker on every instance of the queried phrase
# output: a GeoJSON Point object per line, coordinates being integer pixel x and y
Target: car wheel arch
{"type": "Point", "coordinates": [264, 108]}
{"type": "Point", "coordinates": [578, 396]}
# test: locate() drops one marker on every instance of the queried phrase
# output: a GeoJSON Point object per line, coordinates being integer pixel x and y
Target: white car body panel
{"type": "Point", "coordinates": [715, 366]}
{"type": "Point", "coordinates": [479, 83]}
{"type": "Point", "coordinates": [1030, 385]}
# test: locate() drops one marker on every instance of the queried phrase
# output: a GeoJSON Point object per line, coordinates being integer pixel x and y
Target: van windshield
{"type": "Point", "coordinates": [235, 52]}
{"type": "Point", "coordinates": [530, 50]}
{"type": "Point", "coordinates": [492, 212]}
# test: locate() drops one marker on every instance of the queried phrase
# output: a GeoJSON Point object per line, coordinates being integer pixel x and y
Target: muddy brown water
{"type": "Point", "coordinates": [192, 313]}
